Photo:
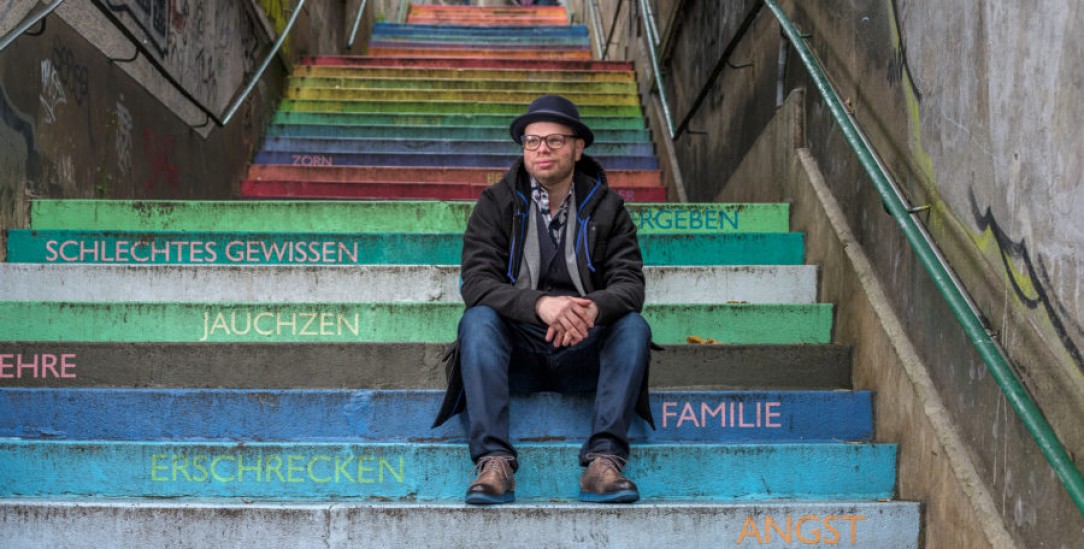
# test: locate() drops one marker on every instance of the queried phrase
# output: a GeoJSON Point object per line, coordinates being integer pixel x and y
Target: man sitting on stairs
{"type": "Point", "coordinates": [553, 281]}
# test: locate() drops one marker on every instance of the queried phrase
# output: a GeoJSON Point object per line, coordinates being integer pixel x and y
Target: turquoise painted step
{"type": "Point", "coordinates": [493, 133]}
{"type": "Point", "coordinates": [359, 322]}
{"type": "Point", "coordinates": [403, 416]}
{"type": "Point", "coordinates": [428, 472]}
{"type": "Point", "coordinates": [166, 247]}
{"type": "Point", "coordinates": [368, 216]}
{"type": "Point", "coordinates": [163, 523]}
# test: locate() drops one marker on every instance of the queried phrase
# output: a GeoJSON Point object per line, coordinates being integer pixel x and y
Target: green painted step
{"type": "Point", "coordinates": [540, 86]}
{"type": "Point", "coordinates": [509, 109]}
{"type": "Point", "coordinates": [498, 95]}
{"type": "Point", "coordinates": [358, 322]}
{"type": "Point", "coordinates": [482, 133]}
{"type": "Point", "coordinates": [596, 123]}
{"type": "Point", "coordinates": [324, 71]}
{"type": "Point", "coordinates": [366, 217]}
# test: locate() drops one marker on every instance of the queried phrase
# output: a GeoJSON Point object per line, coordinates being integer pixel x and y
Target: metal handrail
{"type": "Point", "coordinates": [652, 42]}
{"type": "Point", "coordinates": [357, 22]}
{"type": "Point", "coordinates": [27, 23]}
{"type": "Point", "coordinates": [263, 66]}
{"type": "Point", "coordinates": [596, 26]}
{"type": "Point", "coordinates": [941, 274]}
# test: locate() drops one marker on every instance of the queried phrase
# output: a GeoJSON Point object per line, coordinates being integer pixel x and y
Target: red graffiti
{"type": "Point", "coordinates": [159, 152]}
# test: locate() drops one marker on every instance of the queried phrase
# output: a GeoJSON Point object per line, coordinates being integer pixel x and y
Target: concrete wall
{"type": "Point", "coordinates": [973, 108]}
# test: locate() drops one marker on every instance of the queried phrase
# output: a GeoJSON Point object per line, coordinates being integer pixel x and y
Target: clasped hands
{"type": "Point", "coordinates": [567, 317]}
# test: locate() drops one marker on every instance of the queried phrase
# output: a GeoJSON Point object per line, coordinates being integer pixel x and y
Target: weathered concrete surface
{"type": "Point", "coordinates": [270, 415]}
{"type": "Point", "coordinates": [392, 365]}
{"type": "Point", "coordinates": [293, 284]}
{"type": "Point", "coordinates": [71, 524]}
{"type": "Point", "coordinates": [935, 466]}
{"type": "Point", "coordinates": [434, 472]}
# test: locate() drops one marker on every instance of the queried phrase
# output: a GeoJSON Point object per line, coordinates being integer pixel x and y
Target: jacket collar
{"type": "Point", "coordinates": [589, 181]}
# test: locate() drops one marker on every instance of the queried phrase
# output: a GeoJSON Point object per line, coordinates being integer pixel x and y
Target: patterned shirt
{"type": "Point", "coordinates": [556, 223]}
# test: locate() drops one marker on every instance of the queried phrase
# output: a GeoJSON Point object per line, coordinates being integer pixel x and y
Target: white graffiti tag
{"type": "Point", "coordinates": [123, 137]}
{"type": "Point", "coordinates": [52, 91]}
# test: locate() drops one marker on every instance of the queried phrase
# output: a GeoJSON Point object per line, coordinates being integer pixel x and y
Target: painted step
{"type": "Point", "coordinates": [397, 146]}
{"type": "Point", "coordinates": [383, 365]}
{"type": "Point", "coordinates": [96, 523]}
{"type": "Point", "coordinates": [493, 41]}
{"type": "Point", "coordinates": [301, 284]}
{"type": "Point", "coordinates": [540, 85]}
{"type": "Point", "coordinates": [441, 51]}
{"type": "Point", "coordinates": [434, 472]}
{"type": "Point", "coordinates": [528, 15]}
{"type": "Point", "coordinates": [289, 248]}
{"type": "Point", "coordinates": [431, 120]}
{"type": "Point", "coordinates": [328, 190]}
{"type": "Point", "coordinates": [345, 70]}
{"type": "Point", "coordinates": [390, 107]}
{"type": "Point", "coordinates": [465, 63]}
{"type": "Point", "coordinates": [359, 322]}
{"type": "Point", "coordinates": [488, 133]}
{"type": "Point", "coordinates": [496, 160]}
{"type": "Point", "coordinates": [582, 99]}
{"type": "Point", "coordinates": [190, 415]}
{"type": "Point", "coordinates": [617, 179]}
{"type": "Point", "coordinates": [383, 28]}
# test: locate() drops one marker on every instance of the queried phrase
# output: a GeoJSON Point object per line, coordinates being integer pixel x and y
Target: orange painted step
{"type": "Point", "coordinates": [394, 174]}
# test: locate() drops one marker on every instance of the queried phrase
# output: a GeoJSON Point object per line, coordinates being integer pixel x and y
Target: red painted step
{"type": "Point", "coordinates": [451, 62]}
{"type": "Point", "coordinates": [645, 179]}
{"type": "Point", "coordinates": [401, 191]}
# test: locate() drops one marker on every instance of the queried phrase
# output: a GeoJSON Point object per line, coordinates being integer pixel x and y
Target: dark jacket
{"type": "Point", "coordinates": [607, 258]}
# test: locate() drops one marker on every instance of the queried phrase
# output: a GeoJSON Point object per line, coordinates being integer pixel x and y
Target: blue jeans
{"type": "Point", "coordinates": [499, 357]}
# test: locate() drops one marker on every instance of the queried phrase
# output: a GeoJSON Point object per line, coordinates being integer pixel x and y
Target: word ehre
{"type": "Point", "coordinates": [734, 416]}
{"type": "Point", "coordinates": [279, 468]}
{"type": "Point", "coordinates": [682, 219]}
{"type": "Point", "coordinates": [15, 366]}
{"type": "Point", "coordinates": [793, 529]}
{"type": "Point", "coordinates": [186, 251]}
{"type": "Point", "coordinates": [309, 324]}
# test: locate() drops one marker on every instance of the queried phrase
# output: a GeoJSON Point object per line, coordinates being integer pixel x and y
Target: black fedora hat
{"type": "Point", "coordinates": [552, 108]}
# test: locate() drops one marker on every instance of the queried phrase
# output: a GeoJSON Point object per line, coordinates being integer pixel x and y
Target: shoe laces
{"type": "Point", "coordinates": [501, 465]}
{"type": "Point", "coordinates": [607, 460]}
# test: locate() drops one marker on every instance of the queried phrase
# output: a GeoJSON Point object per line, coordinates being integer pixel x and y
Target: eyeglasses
{"type": "Point", "coordinates": [554, 141]}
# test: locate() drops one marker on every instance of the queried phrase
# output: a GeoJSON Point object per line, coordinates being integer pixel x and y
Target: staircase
{"type": "Point", "coordinates": [266, 371]}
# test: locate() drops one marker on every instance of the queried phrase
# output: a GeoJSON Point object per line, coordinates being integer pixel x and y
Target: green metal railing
{"type": "Point", "coordinates": [27, 23]}
{"type": "Point", "coordinates": [947, 283]}
{"type": "Point", "coordinates": [357, 23]}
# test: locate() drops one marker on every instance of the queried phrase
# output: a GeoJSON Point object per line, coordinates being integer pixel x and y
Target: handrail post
{"type": "Point", "coordinates": [27, 23]}
{"type": "Point", "coordinates": [991, 352]}
{"type": "Point", "coordinates": [263, 66]}
{"type": "Point", "coordinates": [357, 22]}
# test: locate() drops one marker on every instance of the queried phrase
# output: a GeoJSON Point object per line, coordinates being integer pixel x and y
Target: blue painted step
{"type": "Point", "coordinates": [394, 416]}
{"type": "Point", "coordinates": [428, 472]}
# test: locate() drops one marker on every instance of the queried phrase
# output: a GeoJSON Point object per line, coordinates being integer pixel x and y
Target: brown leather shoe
{"type": "Point", "coordinates": [495, 482]}
{"type": "Point", "coordinates": [602, 481]}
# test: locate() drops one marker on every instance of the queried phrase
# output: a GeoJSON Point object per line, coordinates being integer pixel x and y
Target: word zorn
{"type": "Point", "coordinates": [735, 416]}
{"type": "Point", "coordinates": [311, 324]}
{"type": "Point", "coordinates": [798, 529]}
{"type": "Point", "coordinates": [37, 366]}
{"type": "Point", "coordinates": [291, 468]}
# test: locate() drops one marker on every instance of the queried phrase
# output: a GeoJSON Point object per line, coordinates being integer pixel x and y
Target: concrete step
{"type": "Point", "coordinates": [718, 417]}
{"type": "Point", "coordinates": [301, 284]}
{"type": "Point", "coordinates": [383, 365]}
{"type": "Point", "coordinates": [597, 123]}
{"type": "Point", "coordinates": [465, 63]}
{"type": "Point", "coordinates": [442, 50]}
{"type": "Point", "coordinates": [458, 107]}
{"type": "Point", "coordinates": [433, 472]}
{"type": "Point", "coordinates": [405, 73]}
{"type": "Point", "coordinates": [402, 146]}
{"type": "Point", "coordinates": [495, 161]}
{"type": "Point", "coordinates": [290, 248]}
{"type": "Point", "coordinates": [540, 85]}
{"type": "Point", "coordinates": [359, 322]}
{"type": "Point", "coordinates": [97, 523]}
{"type": "Point", "coordinates": [325, 190]}
{"type": "Point", "coordinates": [523, 97]}
{"type": "Point", "coordinates": [486, 133]}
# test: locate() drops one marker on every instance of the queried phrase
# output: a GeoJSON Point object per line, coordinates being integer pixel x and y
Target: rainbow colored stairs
{"type": "Point", "coordinates": [201, 373]}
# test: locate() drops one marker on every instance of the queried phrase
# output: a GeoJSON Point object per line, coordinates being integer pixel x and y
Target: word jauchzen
{"type": "Point", "coordinates": [196, 251]}
{"type": "Point", "coordinates": [307, 324]}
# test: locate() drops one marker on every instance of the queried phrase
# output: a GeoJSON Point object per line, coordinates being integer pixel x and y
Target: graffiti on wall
{"type": "Point", "coordinates": [160, 152]}
{"type": "Point", "coordinates": [52, 91]}
{"type": "Point", "coordinates": [1029, 284]}
{"type": "Point", "coordinates": [152, 17]}
{"type": "Point", "coordinates": [122, 138]}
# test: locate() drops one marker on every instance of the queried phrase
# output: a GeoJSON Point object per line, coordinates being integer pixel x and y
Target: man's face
{"type": "Point", "coordinates": [552, 166]}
